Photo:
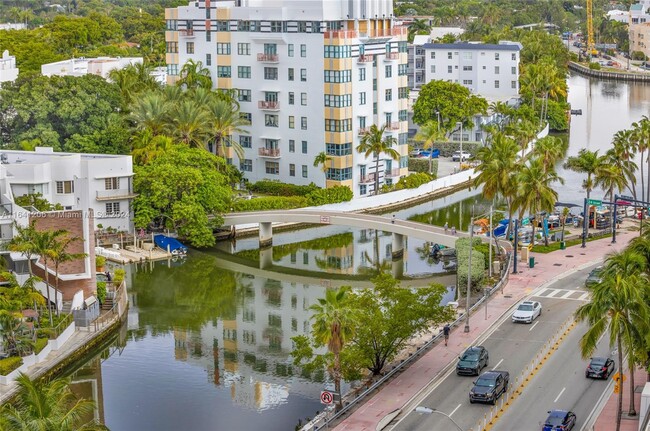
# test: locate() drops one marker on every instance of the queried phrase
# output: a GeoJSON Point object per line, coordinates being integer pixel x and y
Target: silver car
{"type": "Point", "coordinates": [527, 311]}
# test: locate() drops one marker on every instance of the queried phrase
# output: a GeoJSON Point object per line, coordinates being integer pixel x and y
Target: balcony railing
{"type": "Point", "coordinates": [363, 130]}
{"type": "Point", "coordinates": [392, 173]}
{"type": "Point", "coordinates": [365, 179]}
{"type": "Point", "coordinates": [366, 58]}
{"type": "Point", "coordinates": [268, 58]}
{"type": "Point", "coordinates": [269, 152]}
{"type": "Point", "coordinates": [341, 34]}
{"type": "Point", "coordinates": [186, 32]}
{"type": "Point", "coordinates": [393, 126]}
{"type": "Point", "coordinates": [268, 105]}
{"type": "Point", "coordinates": [390, 56]}
{"type": "Point", "coordinates": [105, 195]}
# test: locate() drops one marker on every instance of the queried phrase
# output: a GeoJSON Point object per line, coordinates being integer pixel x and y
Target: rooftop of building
{"type": "Point", "coordinates": [45, 154]}
{"type": "Point", "coordinates": [502, 46]}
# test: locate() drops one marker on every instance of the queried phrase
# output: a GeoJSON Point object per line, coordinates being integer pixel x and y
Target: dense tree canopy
{"type": "Point", "coordinates": [453, 101]}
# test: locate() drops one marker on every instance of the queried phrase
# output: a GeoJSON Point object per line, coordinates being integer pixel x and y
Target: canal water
{"type": "Point", "coordinates": [207, 341]}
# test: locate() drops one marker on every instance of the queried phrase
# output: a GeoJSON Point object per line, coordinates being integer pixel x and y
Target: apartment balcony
{"type": "Point", "coordinates": [110, 195]}
{"type": "Point", "coordinates": [268, 105]}
{"type": "Point", "coordinates": [341, 34]}
{"type": "Point", "coordinates": [393, 126]}
{"type": "Point", "coordinates": [367, 179]}
{"type": "Point", "coordinates": [268, 58]}
{"type": "Point", "coordinates": [363, 130]}
{"type": "Point", "coordinates": [392, 173]}
{"type": "Point", "coordinates": [273, 153]}
{"type": "Point", "coordinates": [367, 58]}
{"type": "Point", "coordinates": [391, 56]}
{"type": "Point", "coordinates": [186, 32]}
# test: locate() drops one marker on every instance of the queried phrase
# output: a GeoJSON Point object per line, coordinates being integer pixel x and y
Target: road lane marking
{"type": "Point", "coordinates": [559, 395]}
{"type": "Point", "coordinates": [497, 365]}
{"type": "Point", "coordinates": [454, 411]}
{"type": "Point", "coordinates": [533, 327]}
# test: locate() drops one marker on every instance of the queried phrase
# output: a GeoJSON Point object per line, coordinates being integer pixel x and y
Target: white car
{"type": "Point", "coordinates": [527, 311]}
{"type": "Point", "coordinates": [457, 156]}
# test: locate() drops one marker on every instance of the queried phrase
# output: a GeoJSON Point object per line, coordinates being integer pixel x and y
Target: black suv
{"type": "Point", "coordinates": [489, 387]}
{"type": "Point", "coordinates": [472, 361]}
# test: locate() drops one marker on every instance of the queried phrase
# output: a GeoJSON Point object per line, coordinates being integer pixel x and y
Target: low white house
{"type": "Point", "coordinates": [100, 66]}
{"type": "Point", "coordinates": [8, 69]}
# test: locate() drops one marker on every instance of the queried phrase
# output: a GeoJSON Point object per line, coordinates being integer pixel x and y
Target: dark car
{"type": "Point", "coordinates": [472, 361]}
{"type": "Point", "coordinates": [559, 420]}
{"type": "Point", "coordinates": [489, 387]}
{"type": "Point", "coordinates": [600, 368]}
{"type": "Point", "coordinates": [594, 277]}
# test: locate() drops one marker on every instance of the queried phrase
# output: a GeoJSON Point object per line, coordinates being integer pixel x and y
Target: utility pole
{"type": "Point", "coordinates": [514, 268]}
{"type": "Point", "coordinates": [491, 232]}
{"type": "Point", "coordinates": [469, 265]}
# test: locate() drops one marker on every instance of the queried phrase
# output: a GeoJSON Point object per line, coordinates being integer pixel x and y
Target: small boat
{"type": "Point", "coordinates": [170, 244]}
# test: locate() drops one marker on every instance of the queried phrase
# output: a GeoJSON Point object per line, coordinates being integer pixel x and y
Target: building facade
{"type": "Point", "coordinates": [100, 66]}
{"type": "Point", "coordinates": [8, 69]}
{"type": "Point", "coordinates": [312, 76]}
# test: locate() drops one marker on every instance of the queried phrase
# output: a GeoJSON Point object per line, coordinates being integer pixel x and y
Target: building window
{"type": "Point", "coordinates": [389, 71]}
{"type": "Point", "coordinates": [338, 76]}
{"type": "Point", "coordinates": [291, 98]}
{"type": "Point", "coordinates": [292, 121]}
{"type": "Point", "coordinates": [403, 93]}
{"type": "Point", "coordinates": [291, 74]}
{"type": "Point", "coordinates": [339, 51]}
{"type": "Point", "coordinates": [110, 183]}
{"type": "Point", "coordinates": [65, 187]}
{"type": "Point", "coordinates": [244, 95]}
{"type": "Point", "coordinates": [303, 75]}
{"type": "Point", "coordinates": [208, 59]}
{"type": "Point", "coordinates": [496, 84]}
{"type": "Point", "coordinates": [338, 101]}
{"type": "Point", "coordinates": [363, 189]}
{"type": "Point", "coordinates": [389, 95]}
{"type": "Point", "coordinates": [433, 55]}
{"type": "Point", "coordinates": [467, 82]}
{"type": "Point", "coordinates": [339, 149]}
{"type": "Point", "coordinates": [223, 71]}
{"type": "Point", "coordinates": [513, 85]}
{"type": "Point", "coordinates": [339, 174]}
{"type": "Point", "coordinates": [304, 171]}
{"type": "Point", "coordinates": [271, 73]}
{"type": "Point", "coordinates": [433, 69]}
{"type": "Point", "coordinates": [246, 165]}
{"type": "Point", "coordinates": [223, 48]}
{"type": "Point", "coordinates": [449, 56]}
{"type": "Point", "coordinates": [362, 98]}
{"type": "Point", "coordinates": [403, 115]}
{"type": "Point", "coordinates": [244, 48]}
{"type": "Point", "coordinates": [496, 70]}
{"type": "Point", "coordinates": [172, 47]}
{"type": "Point", "coordinates": [513, 56]}
{"type": "Point", "coordinates": [362, 74]}
{"type": "Point", "coordinates": [270, 49]}
{"type": "Point", "coordinates": [450, 69]}
{"type": "Point", "coordinates": [246, 116]}
{"type": "Point", "coordinates": [189, 47]}
{"type": "Point", "coordinates": [303, 99]}
{"type": "Point", "coordinates": [245, 141]}
{"type": "Point", "coordinates": [272, 168]}
{"type": "Point", "coordinates": [244, 72]}
{"type": "Point", "coordinates": [276, 26]}
{"type": "Point", "coordinates": [208, 33]}
{"type": "Point", "coordinates": [338, 125]}
{"type": "Point", "coordinates": [303, 50]}
{"type": "Point", "coordinates": [496, 55]}
{"type": "Point", "coordinates": [304, 147]}
{"type": "Point", "coordinates": [303, 123]}
{"type": "Point", "coordinates": [292, 170]}
{"type": "Point", "coordinates": [292, 146]}
{"type": "Point", "coordinates": [467, 55]}
{"type": "Point", "coordinates": [467, 68]}
{"type": "Point", "coordinates": [112, 208]}
{"type": "Point", "coordinates": [290, 50]}
{"type": "Point", "coordinates": [362, 122]}
{"type": "Point", "coordinates": [271, 120]}
{"type": "Point", "coordinates": [513, 70]}
{"type": "Point", "coordinates": [172, 24]}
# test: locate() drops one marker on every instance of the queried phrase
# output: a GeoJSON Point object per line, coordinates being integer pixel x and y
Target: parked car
{"type": "Point", "coordinates": [559, 420]}
{"type": "Point", "coordinates": [489, 387]}
{"type": "Point", "coordinates": [600, 368]}
{"type": "Point", "coordinates": [527, 311]}
{"type": "Point", "coordinates": [594, 277]}
{"type": "Point", "coordinates": [472, 361]}
{"type": "Point", "coordinates": [415, 152]}
{"type": "Point", "coordinates": [458, 157]}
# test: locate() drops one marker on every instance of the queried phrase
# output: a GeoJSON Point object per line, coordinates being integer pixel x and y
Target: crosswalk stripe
{"type": "Point", "coordinates": [563, 294]}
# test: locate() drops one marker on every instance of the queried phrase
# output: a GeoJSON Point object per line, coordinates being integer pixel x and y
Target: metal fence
{"type": "Point", "coordinates": [323, 420]}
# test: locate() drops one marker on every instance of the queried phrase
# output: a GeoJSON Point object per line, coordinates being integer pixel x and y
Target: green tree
{"type": "Point", "coordinates": [550, 150]}
{"type": "Point", "coordinates": [147, 147]}
{"type": "Point", "coordinates": [189, 124]}
{"type": "Point", "coordinates": [373, 143]}
{"type": "Point", "coordinates": [225, 121]}
{"type": "Point", "coordinates": [23, 242]}
{"type": "Point", "coordinates": [622, 156]}
{"type": "Point", "coordinates": [429, 133]}
{"type": "Point", "coordinates": [45, 243]}
{"type": "Point", "coordinates": [322, 159]}
{"type": "Point", "coordinates": [59, 254]}
{"type": "Point", "coordinates": [194, 75]}
{"type": "Point", "coordinates": [51, 405]}
{"type": "Point", "coordinates": [133, 80]}
{"type": "Point", "coordinates": [642, 139]}
{"type": "Point", "coordinates": [418, 26]}
{"type": "Point", "coordinates": [151, 112]}
{"type": "Point", "coordinates": [16, 339]}
{"type": "Point", "coordinates": [453, 101]}
{"type": "Point", "coordinates": [587, 162]}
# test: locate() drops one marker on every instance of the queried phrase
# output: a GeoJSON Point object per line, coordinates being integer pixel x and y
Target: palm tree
{"type": "Point", "coordinates": [430, 133]}
{"type": "Point", "coordinates": [590, 163]}
{"type": "Point", "coordinates": [622, 154]}
{"type": "Point", "coordinates": [23, 242]}
{"type": "Point", "coordinates": [523, 132]}
{"type": "Point", "coordinates": [419, 26]}
{"type": "Point", "coordinates": [550, 149]}
{"type": "Point", "coordinates": [190, 124]}
{"type": "Point", "coordinates": [133, 80]}
{"type": "Point", "coordinates": [48, 405]}
{"type": "Point", "coordinates": [14, 338]}
{"type": "Point", "coordinates": [322, 159]}
{"type": "Point", "coordinates": [536, 193]}
{"type": "Point", "coordinates": [59, 255]}
{"type": "Point", "coordinates": [225, 121]}
{"type": "Point", "coordinates": [642, 135]}
{"type": "Point", "coordinates": [373, 144]}
{"type": "Point", "coordinates": [334, 326]}
{"type": "Point", "coordinates": [611, 177]}
{"type": "Point", "coordinates": [503, 111]}
{"type": "Point", "coordinates": [147, 147]}
{"type": "Point", "coordinates": [151, 112]}
{"type": "Point", "coordinates": [617, 305]}
{"type": "Point", "coordinates": [194, 75]}
{"type": "Point", "coordinates": [45, 242]}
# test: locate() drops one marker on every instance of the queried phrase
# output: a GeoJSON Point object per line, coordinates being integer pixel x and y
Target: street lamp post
{"type": "Point", "coordinates": [469, 270]}
{"type": "Point", "coordinates": [460, 159]}
{"type": "Point", "coordinates": [428, 411]}
{"type": "Point", "coordinates": [431, 149]}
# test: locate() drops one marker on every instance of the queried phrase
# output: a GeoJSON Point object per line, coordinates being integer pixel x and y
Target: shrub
{"type": "Point", "coordinates": [276, 188]}
{"type": "Point", "coordinates": [478, 264]}
{"type": "Point", "coordinates": [638, 55]}
{"type": "Point", "coordinates": [118, 277]}
{"type": "Point", "coordinates": [47, 333]}
{"type": "Point", "coordinates": [484, 249]}
{"type": "Point", "coordinates": [413, 181]}
{"type": "Point", "coordinates": [270, 203]}
{"type": "Point", "coordinates": [101, 291]}
{"type": "Point", "coordinates": [421, 164]}
{"type": "Point", "coordinates": [330, 195]}
{"type": "Point", "coordinates": [8, 365]}
{"type": "Point", "coordinates": [594, 66]}
{"type": "Point", "coordinates": [40, 344]}
{"type": "Point", "coordinates": [100, 261]}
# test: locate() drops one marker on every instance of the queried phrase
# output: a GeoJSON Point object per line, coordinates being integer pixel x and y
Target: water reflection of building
{"type": "Point", "coordinates": [250, 354]}
{"type": "Point", "coordinates": [87, 383]}
{"type": "Point", "coordinates": [639, 95]}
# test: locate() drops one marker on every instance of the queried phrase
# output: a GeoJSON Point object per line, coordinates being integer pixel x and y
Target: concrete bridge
{"type": "Point", "coordinates": [399, 228]}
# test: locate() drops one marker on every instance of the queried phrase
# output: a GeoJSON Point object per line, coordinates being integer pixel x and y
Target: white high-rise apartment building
{"type": "Point", "coordinates": [312, 76]}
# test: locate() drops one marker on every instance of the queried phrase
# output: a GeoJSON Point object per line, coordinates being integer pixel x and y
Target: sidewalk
{"type": "Point", "coordinates": [607, 417]}
{"type": "Point", "coordinates": [548, 267]}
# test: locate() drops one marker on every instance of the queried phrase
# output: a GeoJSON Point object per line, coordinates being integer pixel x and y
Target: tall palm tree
{"type": "Point", "coordinates": [14, 334]}
{"type": "Point", "coordinates": [44, 244]}
{"type": "Point", "coordinates": [611, 178]}
{"type": "Point", "coordinates": [550, 150]}
{"type": "Point", "coordinates": [133, 80]}
{"type": "Point", "coordinates": [642, 135]}
{"type": "Point", "coordinates": [48, 405]}
{"type": "Point", "coordinates": [322, 159]}
{"type": "Point", "coordinates": [418, 26]}
{"type": "Point", "coordinates": [151, 112]}
{"type": "Point", "coordinates": [536, 192]}
{"type": "Point", "coordinates": [223, 122]}
{"type": "Point", "coordinates": [622, 155]}
{"type": "Point", "coordinates": [189, 124]}
{"type": "Point", "coordinates": [429, 133]}
{"type": "Point", "coordinates": [194, 75]}
{"type": "Point", "coordinates": [373, 143]}
{"type": "Point", "coordinates": [590, 163]}
{"type": "Point", "coordinates": [147, 147]}
{"type": "Point", "coordinates": [523, 132]}
{"type": "Point", "coordinates": [23, 242]}
{"type": "Point", "coordinates": [617, 305]}
{"type": "Point", "coordinates": [333, 326]}
{"type": "Point", "coordinates": [59, 254]}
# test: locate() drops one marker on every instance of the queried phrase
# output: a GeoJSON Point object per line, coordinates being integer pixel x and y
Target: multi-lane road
{"type": "Point", "coordinates": [511, 348]}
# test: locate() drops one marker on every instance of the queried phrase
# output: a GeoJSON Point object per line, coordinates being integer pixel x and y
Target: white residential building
{"type": "Point", "coordinates": [640, 12]}
{"type": "Point", "coordinates": [8, 69]}
{"type": "Point", "coordinates": [619, 15]}
{"type": "Point", "coordinates": [101, 182]}
{"type": "Point", "coordinates": [13, 26]}
{"type": "Point", "coordinates": [312, 76]}
{"type": "Point", "coordinates": [100, 66]}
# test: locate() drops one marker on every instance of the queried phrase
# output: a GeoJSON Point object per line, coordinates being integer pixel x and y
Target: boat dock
{"type": "Point", "coordinates": [132, 254]}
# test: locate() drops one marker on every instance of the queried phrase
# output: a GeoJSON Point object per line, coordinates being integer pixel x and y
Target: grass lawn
{"type": "Point", "coordinates": [556, 245]}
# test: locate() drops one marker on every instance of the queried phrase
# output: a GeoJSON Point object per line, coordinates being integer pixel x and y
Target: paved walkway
{"type": "Point", "coordinates": [607, 418]}
{"type": "Point", "coordinates": [548, 267]}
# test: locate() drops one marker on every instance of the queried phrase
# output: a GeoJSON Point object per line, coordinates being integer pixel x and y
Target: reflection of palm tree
{"type": "Point", "coordinates": [378, 265]}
